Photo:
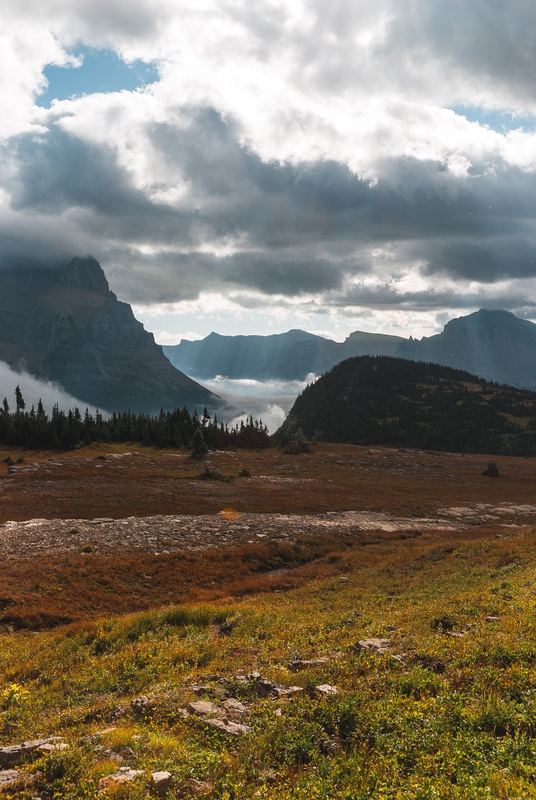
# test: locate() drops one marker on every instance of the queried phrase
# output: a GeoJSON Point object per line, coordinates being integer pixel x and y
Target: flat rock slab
{"type": "Point", "coordinates": [201, 708]}
{"type": "Point", "coordinates": [13, 754]}
{"type": "Point", "coordinates": [228, 727]}
{"type": "Point", "coordinates": [117, 778]}
{"type": "Point", "coordinates": [8, 779]}
{"type": "Point", "coordinates": [374, 645]}
{"type": "Point", "coordinates": [326, 689]}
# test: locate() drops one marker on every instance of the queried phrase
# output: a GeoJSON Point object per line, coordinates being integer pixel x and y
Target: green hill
{"type": "Point", "coordinates": [378, 400]}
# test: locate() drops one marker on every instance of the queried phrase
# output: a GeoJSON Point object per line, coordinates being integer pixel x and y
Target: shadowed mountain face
{"type": "Point", "coordinates": [285, 356]}
{"type": "Point", "coordinates": [68, 327]}
{"type": "Point", "coordinates": [495, 345]}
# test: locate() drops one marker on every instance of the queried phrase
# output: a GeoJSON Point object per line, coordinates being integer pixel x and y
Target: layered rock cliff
{"type": "Point", "coordinates": [495, 345]}
{"type": "Point", "coordinates": [67, 326]}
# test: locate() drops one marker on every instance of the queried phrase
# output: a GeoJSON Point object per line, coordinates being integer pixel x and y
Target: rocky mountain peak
{"type": "Point", "coordinates": [86, 273]}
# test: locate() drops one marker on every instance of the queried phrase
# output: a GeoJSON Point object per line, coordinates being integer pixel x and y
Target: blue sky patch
{"type": "Point", "coordinates": [101, 71]}
{"type": "Point", "coordinates": [498, 120]}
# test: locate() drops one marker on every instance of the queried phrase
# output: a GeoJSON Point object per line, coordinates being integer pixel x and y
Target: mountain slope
{"type": "Point", "coordinates": [392, 401]}
{"type": "Point", "coordinates": [284, 356]}
{"type": "Point", "coordinates": [496, 345]}
{"type": "Point", "coordinates": [67, 326]}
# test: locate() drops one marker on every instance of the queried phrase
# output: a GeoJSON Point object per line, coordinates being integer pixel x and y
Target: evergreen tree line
{"type": "Point", "coordinates": [35, 429]}
{"type": "Point", "coordinates": [379, 400]}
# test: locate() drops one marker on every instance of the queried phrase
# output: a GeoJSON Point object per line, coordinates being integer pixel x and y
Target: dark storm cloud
{"type": "Point", "coordinates": [492, 42]}
{"type": "Point", "coordinates": [295, 229]}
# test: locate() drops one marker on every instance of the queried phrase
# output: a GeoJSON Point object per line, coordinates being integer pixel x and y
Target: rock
{"type": "Point", "coordinates": [140, 704]}
{"type": "Point", "coordinates": [198, 787]}
{"type": "Point", "coordinates": [234, 706]}
{"type": "Point", "coordinates": [269, 775]}
{"type": "Point", "coordinates": [455, 635]}
{"type": "Point", "coordinates": [53, 747]}
{"type": "Point", "coordinates": [493, 619]}
{"type": "Point", "coordinates": [70, 328]}
{"type": "Point", "coordinates": [228, 727]}
{"type": "Point", "coordinates": [299, 664]}
{"type": "Point", "coordinates": [160, 781]}
{"type": "Point", "coordinates": [200, 707]}
{"type": "Point", "coordinates": [13, 754]}
{"type": "Point", "coordinates": [374, 645]}
{"type": "Point", "coordinates": [289, 691]}
{"type": "Point", "coordinates": [262, 686]}
{"type": "Point", "coordinates": [326, 689]}
{"type": "Point", "coordinates": [117, 778]}
{"type": "Point", "coordinates": [8, 779]}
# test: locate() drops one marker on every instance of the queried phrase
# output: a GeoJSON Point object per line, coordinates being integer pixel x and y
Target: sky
{"type": "Point", "coordinates": [255, 167]}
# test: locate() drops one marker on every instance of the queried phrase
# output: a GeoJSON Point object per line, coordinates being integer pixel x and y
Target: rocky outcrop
{"type": "Point", "coordinates": [66, 325]}
{"type": "Point", "coordinates": [495, 345]}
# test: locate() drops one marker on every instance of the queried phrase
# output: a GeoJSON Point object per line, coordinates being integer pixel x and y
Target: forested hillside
{"type": "Point", "coordinates": [392, 401]}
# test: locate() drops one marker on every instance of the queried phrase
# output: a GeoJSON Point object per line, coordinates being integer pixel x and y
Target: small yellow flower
{"type": "Point", "coordinates": [14, 695]}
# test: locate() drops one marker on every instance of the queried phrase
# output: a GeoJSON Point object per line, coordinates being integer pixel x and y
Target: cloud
{"type": "Point", "coordinates": [269, 401]}
{"type": "Point", "coordinates": [34, 390]}
{"type": "Point", "coordinates": [292, 151]}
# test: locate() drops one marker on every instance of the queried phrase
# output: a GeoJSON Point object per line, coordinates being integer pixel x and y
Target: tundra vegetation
{"type": "Point", "coordinates": [442, 708]}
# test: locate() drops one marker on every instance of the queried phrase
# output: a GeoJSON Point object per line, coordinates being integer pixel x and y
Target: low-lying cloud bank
{"type": "Point", "coordinates": [267, 400]}
{"type": "Point", "coordinates": [34, 390]}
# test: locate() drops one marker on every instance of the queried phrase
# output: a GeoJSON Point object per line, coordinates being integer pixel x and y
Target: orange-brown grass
{"type": "Point", "coordinates": [51, 591]}
{"type": "Point", "coordinates": [403, 482]}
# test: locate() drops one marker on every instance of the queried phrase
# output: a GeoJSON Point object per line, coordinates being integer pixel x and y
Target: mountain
{"type": "Point", "coordinates": [392, 401]}
{"type": "Point", "coordinates": [65, 325]}
{"type": "Point", "coordinates": [285, 356]}
{"type": "Point", "coordinates": [496, 345]}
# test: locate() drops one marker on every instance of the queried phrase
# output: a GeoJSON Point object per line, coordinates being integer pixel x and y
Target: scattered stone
{"type": "Point", "coordinates": [493, 619]}
{"type": "Point", "coordinates": [374, 645]}
{"type": "Point", "coordinates": [53, 747]}
{"type": "Point", "coordinates": [262, 686]}
{"type": "Point", "coordinates": [299, 664]}
{"type": "Point", "coordinates": [198, 787]}
{"type": "Point", "coordinates": [234, 706]}
{"type": "Point", "coordinates": [124, 775]}
{"type": "Point", "coordinates": [289, 691]}
{"type": "Point", "coordinates": [455, 635]}
{"type": "Point", "coordinates": [98, 734]}
{"type": "Point", "coordinates": [140, 704]}
{"type": "Point", "coordinates": [326, 689]}
{"type": "Point", "coordinates": [200, 707]}
{"type": "Point", "coordinates": [13, 754]}
{"type": "Point", "coordinates": [269, 775]}
{"type": "Point", "coordinates": [8, 779]}
{"type": "Point", "coordinates": [228, 727]}
{"type": "Point", "coordinates": [160, 781]}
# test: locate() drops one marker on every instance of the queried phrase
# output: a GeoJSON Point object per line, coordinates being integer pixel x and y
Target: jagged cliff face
{"type": "Point", "coordinates": [67, 326]}
{"type": "Point", "coordinates": [495, 345]}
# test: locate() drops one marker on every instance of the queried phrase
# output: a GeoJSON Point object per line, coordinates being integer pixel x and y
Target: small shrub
{"type": "Point", "coordinates": [9, 461]}
{"type": "Point", "coordinates": [294, 448]}
{"type": "Point", "coordinates": [213, 475]}
{"type": "Point", "coordinates": [87, 548]}
{"type": "Point", "coordinates": [491, 471]}
{"type": "Point", "coordinates": [244, 473]}
{"type": "Point", "coordinates": [443, 624]}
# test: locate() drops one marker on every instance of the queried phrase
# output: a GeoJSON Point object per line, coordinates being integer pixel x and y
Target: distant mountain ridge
{"type": "Point", "coordinates": [66, 325]}
{"type": "Point", "coordinates": [287, 356]}
{"type": "Point", "coordinates": [391, 401]}
{"type": "Point", "coordinates": [494, 344]}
